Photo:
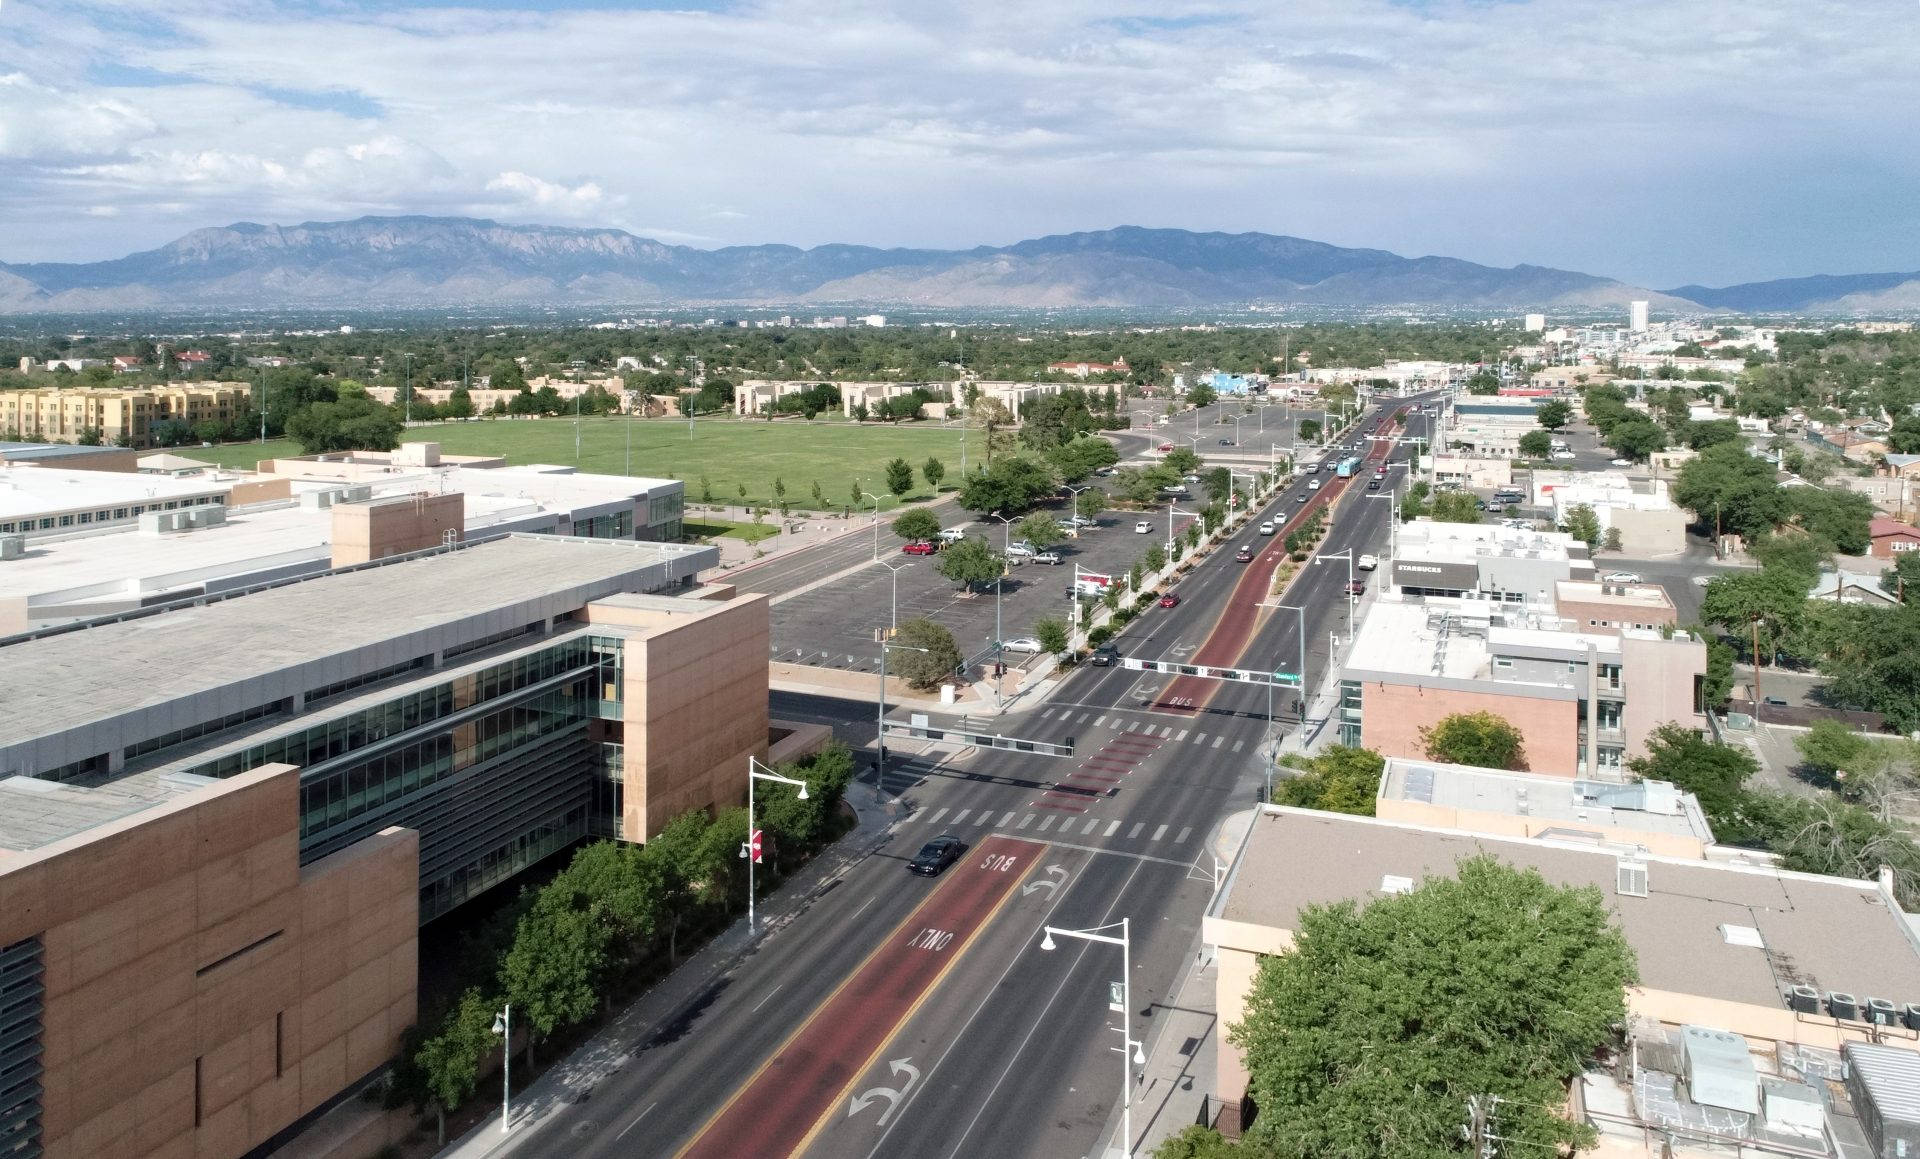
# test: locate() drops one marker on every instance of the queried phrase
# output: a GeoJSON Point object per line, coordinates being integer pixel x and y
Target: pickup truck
{"type": "Point", "coordinates": [1367, 562]}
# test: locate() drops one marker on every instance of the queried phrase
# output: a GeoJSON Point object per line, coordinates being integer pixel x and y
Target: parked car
{"type": "Point", "coordinates": [918, 547]}
{"type": "Point", "coordinates": [1244, 555]}
{"type": "Point", "coordinates": [1621, 577]}
{"type": "Point", "coordinates": [1081, 521]}
{"type": "Point", "coordinates": [1142, 527]}
{"type": "Point", "coordinates": [1226, 442]}
{"type": "Point", "coordinates": [1170, 600]}
{"type": "Point", "coordinates": [1046, 557]}
{"type": "Point", "coordinates": [1177, 490]}
{"type": "Point", "coordinates": [1104, 656]}
{"type": "Point", "coordinates": [1775, 701]}
{"type": "Point", "coordinates": [1028, 644]}
{"type": "Point", "coordinates": [936, 855]}
{"type": "Point", "coordinates": [952, 535]}
{"type": "Point", "coordinates": [1190, 477]}
{"type": "Point", "coordinates": [1103, 471]}
{"type": "Point", "coordinates": [1564, 455]}
{"type": "Point", "coordinates": [1367, 562]}
{"type": "Point", "coordinates": [1163, 448]}
{"type": "Point", "coordinates": [1019, 551]}
{"type": "Point", "coordinates": [1495, 507]}
{"type": "Point", "coordinates": [1267, 527]}
{"type": "Point", "coordinates": [1621, 462]}
{"type": "Point", "coordinates": [1356, 587]}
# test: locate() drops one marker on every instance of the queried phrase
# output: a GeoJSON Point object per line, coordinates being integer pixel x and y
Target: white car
{"type": "Point", "coordinates": [1621, 577]}
{"type": "Point", "coordinates": [1142, 527]}
{"type": "Point", "coordinates": [1047, 557]}
{"type": "Point", "coordinates": [1564, 455]}
{"type": "Point", "coordinates": [1313, 484]}
{"type": "Point", "coordinates": [1620, 462]}
{"type": "Point", "coordinates": [1367, 562]}
{"type": "Point", "coordinates": [1019, 551]}
{"type": "Point", "coordinates": [1266, 528]}
{"type": "Point", "coordinates": [952, 535]}
{"type": "Point", "coordinates": [1022, 644]}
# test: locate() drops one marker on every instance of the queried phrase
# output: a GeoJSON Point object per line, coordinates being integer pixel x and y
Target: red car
{"type": "Point", "coordinates": [1170, 600]}
{"type": "Point", "coordinates": [1164, 447]}
{"type": "Point", "coordinates": [919, 547]}
{"type": "Point", "coordinates": [1357, 587]}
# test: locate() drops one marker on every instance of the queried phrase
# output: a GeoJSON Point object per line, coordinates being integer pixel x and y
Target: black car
{"type": "Point", "coordinates": [1226, 442]}
{"type": "Point", "coordinates": [937, 854]}
{"type": "Point", "coordinates": [1104, 656]}
{"type": "Point", "coordinates": [1373, 484]}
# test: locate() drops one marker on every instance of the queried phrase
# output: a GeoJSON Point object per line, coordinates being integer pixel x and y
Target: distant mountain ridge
{"type": "Point", "coordinates": [435, 261]}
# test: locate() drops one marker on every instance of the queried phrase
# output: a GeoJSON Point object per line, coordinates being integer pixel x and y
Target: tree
{"type": "Point", "coordinates": [1219, 483]}
{"type": "Point", "coordinates": [1201, 394]}
{"type": "Point", "coordinates": [1711, 433]}
{"type": "Point", "coordinates": [551, 973]}
{"type": "Point", "coordinates": [1554, 414]}
{"type": "Point", "coordinates": [1366, 1037]}
{"type": "Point", "coordinates": [1197, 1142]}
{"type": "Point", "coordinates": [937, 662]}
{"type": "Point", "coordinates": [1841, 518]}
{"type": "Point", "coordinates": [353, 423]}
{"type": "Point", "coordinates": [990, 417]}
{"type": "Point", "coordinates": [1484, 382]}
{"type": "Point", "coordinates": [1091, 502]}
{"type": "Point", "coordinates": [1613, 540]}
{"type": "Point", "coordinates": [1731, 490]}
{"type": "Point", "coordinates": [1453, 507]}
{"type": "Point", "coordinates": [1717, 684]}
{"type": "Point", "coordinates": [934, 471]}
{"type": "Point", "coordinates": [916, 524]}
{"type": "Point", "coordinates": [1636, 438]}
{"type": "Point", "coordinates": [1476, 738]}
{"type": "Point", "coordinates": [969, 562]}
{"type": "Point", "coordinates": [1583, 525]}
{"type": "Point", "coordinates": [1773, 600]}
{"type": "Point", "coordinates": [1829, 747]}
{"type": "Point", "coordinates": [1536, 445]}
{"type": "Point", "coordinates": [1155, 558]}
{"type": "Point", "coordinates": [460, 404]}
{"type": "Point", "coordinates": [899, 477]}
{"type": "Point", "coordinates": [448, 1063]}
{"type": "Point", "coordinates": [1715, 773]}
{"type": "Point", "coordinates": [1309, 430]}
{"type": "Point", "coordinates": [1181, 461]}
{"type": "Point", "coordinates": [1012, 484]}
{"type": "Point", "coordinates": [1903, 576]}
{"type": "Point", "coordinates": [507, 375]}
{"type": "Point", "coordinates": [1052, 634]}
{"type": "Point", "coordinates": [1041, 530]}
{"type": "Point", "coordinates": [1340, 780]}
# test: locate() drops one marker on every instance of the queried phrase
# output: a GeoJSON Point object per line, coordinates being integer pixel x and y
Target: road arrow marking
{"type": "Point", "coordinates": [865, 1099]}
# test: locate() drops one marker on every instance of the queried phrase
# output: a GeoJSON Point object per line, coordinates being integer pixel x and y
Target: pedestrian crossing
{"type": "Point", "coordinates": [1119, 724]}
{"type": "Point", "coordinates": [1059, 825]}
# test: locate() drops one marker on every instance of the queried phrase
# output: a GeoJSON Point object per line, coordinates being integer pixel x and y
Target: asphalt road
{"type": "Point", "coordinates": [984, 1043]}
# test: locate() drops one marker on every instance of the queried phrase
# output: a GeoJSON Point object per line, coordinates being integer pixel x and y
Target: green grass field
{"type": "Point", "coordinates": [728, 453]}
{"type": "Point", "coordinates": [748, 532]}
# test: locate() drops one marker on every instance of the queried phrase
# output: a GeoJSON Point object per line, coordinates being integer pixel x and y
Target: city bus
{"type": "Point", "coordinates": [1347, 467]}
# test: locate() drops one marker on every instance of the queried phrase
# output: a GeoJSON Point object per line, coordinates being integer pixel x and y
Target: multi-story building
{"type": "Point", "coordinates": [222, 820]}
{"type": "Point", "coordinates": [1642, 512]}
{"type": "Point", "coordinates": [123, 417]}
{"type": "Point", "coordinates": [1585, 701]}
{"type": "Point", "coordinates": [1483, 564]}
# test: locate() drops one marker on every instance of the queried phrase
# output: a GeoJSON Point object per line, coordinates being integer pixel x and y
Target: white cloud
{"type": "Point", "coordinates": [1638, 138]}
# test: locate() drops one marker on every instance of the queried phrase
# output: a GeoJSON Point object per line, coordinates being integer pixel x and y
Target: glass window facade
{"type": "Point", "coordinates": [1350, 712]}
{"type": "Point", "coordinates": [618, 525]}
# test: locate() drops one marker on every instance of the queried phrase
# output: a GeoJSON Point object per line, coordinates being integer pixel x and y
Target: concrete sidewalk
{"type": "Point", "coordinates": [574, 1078]}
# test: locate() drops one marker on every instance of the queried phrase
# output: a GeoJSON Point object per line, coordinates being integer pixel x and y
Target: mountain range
{"type": "Point", "coordinates": [442, 261]}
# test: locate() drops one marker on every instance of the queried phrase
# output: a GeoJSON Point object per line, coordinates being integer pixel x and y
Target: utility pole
{"type": "Point", "coordinates": [1479, 1110]}
{"type": "Point", "coordinates": [1757, 702]}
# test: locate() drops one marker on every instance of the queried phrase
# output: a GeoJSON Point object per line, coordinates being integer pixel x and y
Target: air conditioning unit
{"type": "Point", "coordinates": [12, 546]}
{"type": "Point", "coordinates": [1630, 878]}
{"type": "Point", "coordinates": [1841, 1004]}
{"type": "Point", "coordinates": [1804, 1000]}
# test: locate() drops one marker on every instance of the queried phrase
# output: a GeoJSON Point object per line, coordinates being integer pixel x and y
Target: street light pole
{"type": "Point", "coordinates": [880, 722]}
{"type": "Point", "coordinates": [750, 849]}
{"type": "Point", "coordinates": [503, 1026]}
{"type": "Point", "coordinates": [1131, 1054]}
{"type": "Point", "coordinates": [865, 494]}
{"type": "Point", "coordinates": [893, 619]}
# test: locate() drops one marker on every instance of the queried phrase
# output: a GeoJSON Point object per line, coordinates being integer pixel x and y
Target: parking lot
{"type": "Point", "coordinates": [833, 625]}
{"type": "Point", "coordinates": [1266, 431]}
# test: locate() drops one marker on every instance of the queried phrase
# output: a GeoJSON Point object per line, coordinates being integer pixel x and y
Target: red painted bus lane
{"type": "Point", "coordinates": [777, 1109]}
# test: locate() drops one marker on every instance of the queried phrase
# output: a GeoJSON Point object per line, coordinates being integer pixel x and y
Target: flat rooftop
{"type": "Point", "coordinates": [1648, 597]}
{"type": "Point", "coordinates": [1581, 804]}
{"type": "Point", "coordinates": [1457, 643]}
{"type": "Point", "coordinates": [28, 452]}
{"type": "Point", "coordinates": [72, 678]}
{"type": "Point", "coordinates": [34, 812]}
{"type": "Point", "coordinates": [1826, 932]}
{"type": "Point", "coordinates": [1467, 542]}
{"type": "Point", "coordinates": [31, 489]}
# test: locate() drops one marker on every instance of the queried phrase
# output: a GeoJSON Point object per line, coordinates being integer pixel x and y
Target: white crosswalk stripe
{"type": "Point", "coordinates": [1045, 713]}
{"type": "Point", "coordinates": [1083, 718]}
{"type": "Point", "coordinates": [1165, 732]}
{"type": "Point", "coordinates": [1182, 736]}
{"type": "Point", "coordinates": [1238, 745]}
{"type": "Point", "coordinates": [1092, 824]}
{"type": "Point", "coordinates": [1158, 833]}
{"type": "Point", "coordinates": [1046, 823]}
{"type": "Point", "coordinates": [1135, 831]}
{"type": "Point", "coordinates": [960, 816]}
{"type": "Point", "coordinates": [936, 816]}
{"type": "Point", "coordinates": [1184, 832]}
{"type": "Point", "coordinates": [1133, 725]}
{"type": "Point", "coordinates": [1216, 742]}
{"type": "Point", "coordinates": [1112, 829]}
{"type": "Point", "coordinates": [1025, 821]}
{"type": "Point", "coordinates": [1114, 723]}
{"type": "Point", "coordinates": [1100, 722]}
{"type": "Point", "coordinates": [1006, 819]}
{"type": "Point", "coordinates": [1201, 739]}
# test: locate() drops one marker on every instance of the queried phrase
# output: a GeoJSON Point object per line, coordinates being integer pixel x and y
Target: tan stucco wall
{"type": "Point", "coordinates": [1392, 716]}
{"type": "Point", "coordinates": [1657, 677]}
{"type": "Point", "coordinates": [137, 920]}
{"type": "Point", "coordinates": [363, 532]}
{"type": "Point", "coordinates": [696, 708]}
{"type": "Point", "coordinates": [1604, 617]}
{"type": "Point", "coordinates": [259, 491]}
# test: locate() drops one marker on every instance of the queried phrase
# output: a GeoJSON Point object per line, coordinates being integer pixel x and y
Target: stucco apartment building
{"type": "Point", "coordinates": [1585, 700]}
{"type": "Point", "coordinates": [1786, 976]}
{"type": "Point", "coordinates": [124, 417]}
{"type": "Point", "coordinates": [222, 820]}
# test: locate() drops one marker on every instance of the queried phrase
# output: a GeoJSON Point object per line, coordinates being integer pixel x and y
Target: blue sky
{"type": "Point", "coordinates": [1657, 142]}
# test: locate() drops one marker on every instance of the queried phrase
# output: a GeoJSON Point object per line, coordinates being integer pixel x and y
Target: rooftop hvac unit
{"type": "Point", "coordinates": [1913, 1016]}
{"type": "Point", "coordinates": [1841, 1004]}
{"type": "Point", "coordinates": [213, 516]}
{"type": "Point", "coordinates": [1881, 1012]}
{"type": "Point", "coordinates": [1793, 1107]}
{"type": "Point", "coordinates": [12, 546]}
{"type": "Point", "coordinates": [1720, 1072]}
{"type": "Point", "coordinates": [1881, 1083]}
{"type": "Point", "coordinates": [316, 500]}
{"type": "Point", "coordinates": [1804, 1000]}
{"type": "Point", "coordinates": [357, 494]}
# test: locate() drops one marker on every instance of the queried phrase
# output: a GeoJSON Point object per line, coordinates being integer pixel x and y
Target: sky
{"type": "Point", "coordinates": [1656, 141]}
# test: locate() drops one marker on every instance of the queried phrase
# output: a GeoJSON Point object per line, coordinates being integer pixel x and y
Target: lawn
{"type": "Point", "coordinates": [729, 454]}
{"type": "Point", "coordinates": [711, 528]}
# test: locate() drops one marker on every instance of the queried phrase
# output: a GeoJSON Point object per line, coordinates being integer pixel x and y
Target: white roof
{"type": "Point", "coordinates": [27, 489]}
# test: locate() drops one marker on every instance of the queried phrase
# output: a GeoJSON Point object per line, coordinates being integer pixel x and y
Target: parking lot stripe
{"type": "Point", "coordinates": [1025, 821]}
{"type": "Point", "coordinates": [1184, 832]}
{"type": "Point", "coordinates": [1113, 828]}
{"type": "Point", "coordinates": [1158, 833]}
{"type": "Point", "coordinates": [1135, 831]}
{"type": "Point", "coordinates": [937, 815]}
{"type": "Point", "coordinates": [958, 816]}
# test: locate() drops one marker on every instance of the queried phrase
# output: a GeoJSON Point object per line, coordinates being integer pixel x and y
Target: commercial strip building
{"type": "Point", "coordinates": [1642, 511]}
{"type": "Point", "coordinates": [124, 418]}
{"type": "Point", "coordinates": [1783, 974]}
{"type": "Point", "coordinates": [1584, 700]}
{"type": "Point", "coordinates": [222, 821]}
{"type": "Point", "coordinates": [1484, 563]}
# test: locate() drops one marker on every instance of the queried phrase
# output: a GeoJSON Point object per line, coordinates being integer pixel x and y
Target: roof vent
{"type": "Point", "coordinates": [1630, 878]}
{"type": "Point", "coordinates": [1394, 883]}
{"type": "Point", "coordinates": [1742, 936]}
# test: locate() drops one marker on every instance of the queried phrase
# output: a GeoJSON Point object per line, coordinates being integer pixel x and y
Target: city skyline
{"type": "Point", "coordinates": [1657, 147]}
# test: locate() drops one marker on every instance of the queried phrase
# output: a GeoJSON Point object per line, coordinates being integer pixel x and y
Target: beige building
{"type": "Point", "coordinates": [1473, 470]}
{"type": "Point", "coordinates": [125, 418]}
{"type": "Point", "coordinates": [396, 525]}
{"type": "Point", "coordinates": [1783, 965]}
{"type": "Point", "coordinates": [1598, 606]}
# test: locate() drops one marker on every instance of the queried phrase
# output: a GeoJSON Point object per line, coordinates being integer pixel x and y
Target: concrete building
{"type": "Point", "coordinates": [1778, 963]}
{"type": "Point", "coordinates": [1637, 317]}
{"type": "Point", "coordinates": [124, 418]}
{"type": "Point", "coordinates": [1480, 564]}
{"type": "Point", "coordinates": [1473, 470]}
{"type": "Point", "coordinates": [71, 456]}
{"type": "Point", "coordinates": [1568, 379]}
{"type": "Point", "coordinates": [1593, 606]}
{"type": "Point", "coordinates": [217, 856]}
{"type": "Point", "coordinates": [1585, 701]}
{"type": "Point", "coordinates": [37, 501]}
{"type": "Point", "coordinates": [1649, 523]}
{"type": "Point", "coordinates": [1534, 323]}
